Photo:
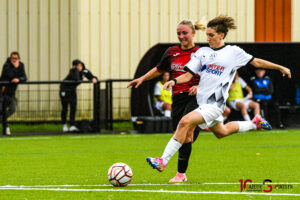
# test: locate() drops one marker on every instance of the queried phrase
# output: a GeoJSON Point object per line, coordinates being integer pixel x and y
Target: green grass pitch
{"type": "Point", "coordinates": [75, 166]}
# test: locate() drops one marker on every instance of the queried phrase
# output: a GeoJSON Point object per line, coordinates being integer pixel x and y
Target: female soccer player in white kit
{"type": "Point", "coordinates": [217, 65]}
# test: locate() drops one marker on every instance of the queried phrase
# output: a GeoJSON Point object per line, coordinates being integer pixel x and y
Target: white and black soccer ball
{"type": "Point", "coordinates": [119, 174]}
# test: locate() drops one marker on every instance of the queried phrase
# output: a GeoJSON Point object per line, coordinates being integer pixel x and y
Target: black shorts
{"type": "Point", "coordinates": [182, 104]}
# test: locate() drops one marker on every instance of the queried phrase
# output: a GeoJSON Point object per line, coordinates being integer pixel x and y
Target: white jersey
{"type": "Point", "coordinates": [217, 69]}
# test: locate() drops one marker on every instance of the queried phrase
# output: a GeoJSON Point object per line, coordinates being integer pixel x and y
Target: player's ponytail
{"type": "Point", "coordinates": [199, 25]}
{"type": "Point", "coordinates": [222, 24]}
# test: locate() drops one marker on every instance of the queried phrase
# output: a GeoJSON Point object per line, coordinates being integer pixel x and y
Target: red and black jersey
{"type": "Point", "coordinates": [174, 60]}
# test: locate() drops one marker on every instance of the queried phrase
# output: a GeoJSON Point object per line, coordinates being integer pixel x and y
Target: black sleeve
{"type": "Point", "coordinates": [2, 78]}
{"type": "Point", "coordinates": [73, 75]}
{"type": "Point", "coordinates": [88, 74]}
{"type": "Point", "coordinates": [23, 76]}
{"type": "Point", "coordinates": [164, 63]}
{"type": "Point", "coordinates": [4, 73]}
{"type": "Point", "coordinates": [188, 70]}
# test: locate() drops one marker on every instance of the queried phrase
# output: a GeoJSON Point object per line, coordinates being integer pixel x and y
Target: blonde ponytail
{"type": "Point", "coordinates": [200, 24]}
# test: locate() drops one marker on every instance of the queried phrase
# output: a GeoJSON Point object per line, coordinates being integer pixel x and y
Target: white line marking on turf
{"type": "Point", "coordinates": [152, 191]}
{"type": "Point", "coordinates": [142, 184]}
{"type": "Point", "coordinates": [26, 138]}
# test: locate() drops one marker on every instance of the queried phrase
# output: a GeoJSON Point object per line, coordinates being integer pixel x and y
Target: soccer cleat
{"type": "Point", "coordinates": [179, 178]}
{"type": "Point", "coordinates": [65, 128]}
{"type": "Point", "coordinates": [156, 163]}
{"type": "Point", "coordinates": [8, 131]}
{"type": "Point", "coordinates": [261, 123]}
{"type": "Point", "coordinates": [73, 129]}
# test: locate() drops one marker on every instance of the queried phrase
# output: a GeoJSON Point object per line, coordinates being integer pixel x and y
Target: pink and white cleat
{"type": "Point", "coordinates": [179, 178]}
{"type": "Point", "coordinates": [156, 163]}
{"type": "Point", "coordinates": [261, 123]}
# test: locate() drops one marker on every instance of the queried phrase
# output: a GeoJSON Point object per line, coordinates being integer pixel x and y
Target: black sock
{"type": "Point", "coordinates": [184, 156]}
{"type": "Point", "coordinates": [185, 152]}
{"type": "Point", "coordinates": [196, 133]}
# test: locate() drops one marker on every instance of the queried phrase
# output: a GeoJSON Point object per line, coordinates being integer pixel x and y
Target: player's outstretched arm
{"type": "Point", "coordinates": [180, 79]}
{"type": "Point", "coordinates": [153, 73]}
{"type": "Point", "coordinates": [260, 63]}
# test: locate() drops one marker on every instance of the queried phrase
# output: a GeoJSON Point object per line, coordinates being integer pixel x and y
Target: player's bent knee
{"type": "Point", "coordinates": [221, 133]}
{"type": "Point", "coordinates": [219, 136]}
{"type": "Point", "coordinates": [184, 122]}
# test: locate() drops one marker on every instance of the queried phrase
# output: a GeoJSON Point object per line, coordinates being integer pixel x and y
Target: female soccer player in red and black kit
{"type": "Point", "coordinates": [184, 99]}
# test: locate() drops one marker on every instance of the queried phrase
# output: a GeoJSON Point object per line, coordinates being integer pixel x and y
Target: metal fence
{"type": "Point", "coordinates": [101, 103]}
{"type": "Point", "coordinates": [117, 101]}
{"type": "Point", "coordinates": [39, 102]}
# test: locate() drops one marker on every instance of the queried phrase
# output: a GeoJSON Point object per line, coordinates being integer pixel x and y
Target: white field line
{"type": "Point", "coordinates": [142, 184]}
{"type": "Point", "coordinates": [25, 138]}
{"type": "Point", "coordinates": [152, 191]}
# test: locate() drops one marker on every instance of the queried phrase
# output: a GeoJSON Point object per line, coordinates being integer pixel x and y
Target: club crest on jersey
{"type": "Point", "coordinates": [212, 56]}
{"type": "Point", "coordinates": [213, 69]}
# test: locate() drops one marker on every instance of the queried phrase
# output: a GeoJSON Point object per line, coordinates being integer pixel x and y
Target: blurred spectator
{"type": "Point", "coordinates": [163, 98]}
{"type": "Point", "coordinates": [13, 71]}
{"type": "Point", "coordinates": [68, 93]}
{"type": "Point", "coordinates": [262, 93]}
{"type": "Point", "coordinates": [237, 101]}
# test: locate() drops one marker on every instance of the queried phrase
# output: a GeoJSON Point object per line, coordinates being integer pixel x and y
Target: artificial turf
{"type": "Point", "coordinates": [75, 166]}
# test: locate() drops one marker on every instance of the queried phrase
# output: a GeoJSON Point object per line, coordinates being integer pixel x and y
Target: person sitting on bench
{"type": "Point", "coordinates": [163, 98]}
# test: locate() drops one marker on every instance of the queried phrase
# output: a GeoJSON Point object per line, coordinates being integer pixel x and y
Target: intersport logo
{"type": "Point", "coordinates": [213, 69]}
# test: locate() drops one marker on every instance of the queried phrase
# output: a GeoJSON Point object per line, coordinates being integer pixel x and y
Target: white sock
{"type": "Point", "coordinates": [167, 113]}
{"type": "Point", "coordinates": [247, 117]}
{"type": "Point", "coordinates": [172, 147]}
{"type": "Point", "coordinates": [246, 126]}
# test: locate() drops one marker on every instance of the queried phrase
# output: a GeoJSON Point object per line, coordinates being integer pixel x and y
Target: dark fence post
{"type": "Point", "coordinates": [97, 107]}
{"type": "Point", "coordinates": [106, 104]}
{"type": "Point", "coordinates": [4, 118]}
{"type": "Point", "coordinates": [109, 105]}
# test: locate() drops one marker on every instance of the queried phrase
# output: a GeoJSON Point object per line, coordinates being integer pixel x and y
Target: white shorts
{"type": "Point", "coordinates": [211, 114]}
{"type": "Point", "coordinates": [244, 101]}
{"type": "Point", "coordinates": [159, 106]}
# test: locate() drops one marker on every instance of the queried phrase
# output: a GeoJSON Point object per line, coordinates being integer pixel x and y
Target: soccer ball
{"type": "Point", "coordinates": [119, 174]}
